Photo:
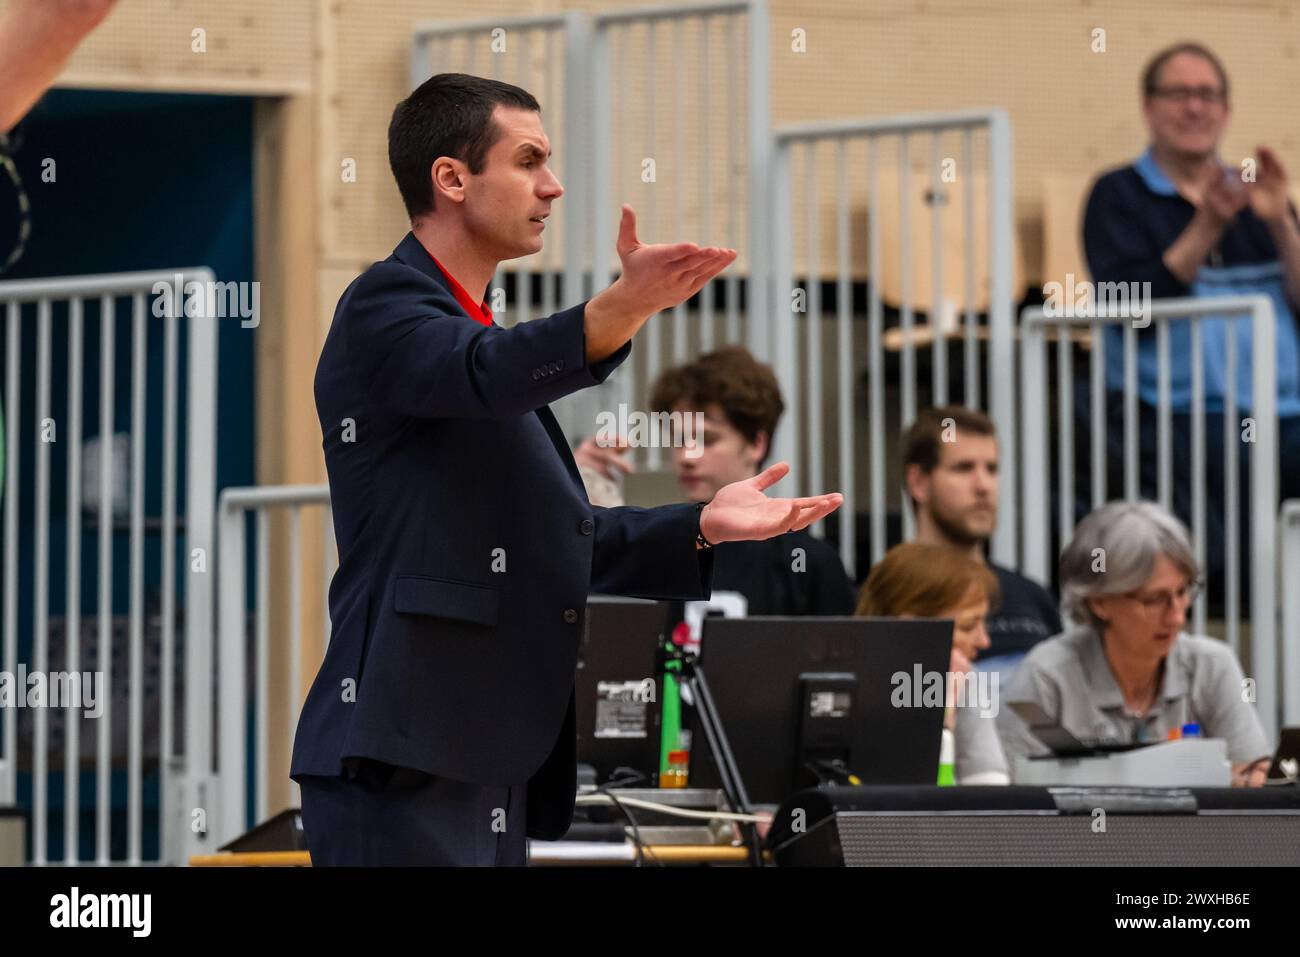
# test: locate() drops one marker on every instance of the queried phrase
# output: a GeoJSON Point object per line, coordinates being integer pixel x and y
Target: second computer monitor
{"type": "Point", "coordinates": [802, 698]}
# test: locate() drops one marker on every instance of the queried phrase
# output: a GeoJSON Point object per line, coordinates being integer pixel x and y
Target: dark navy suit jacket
{"type": "Point", "coordinates": [467, 546]}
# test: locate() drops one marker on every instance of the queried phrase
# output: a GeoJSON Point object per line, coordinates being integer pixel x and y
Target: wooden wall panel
{"type": "Point", "coordinates": [251, 47]}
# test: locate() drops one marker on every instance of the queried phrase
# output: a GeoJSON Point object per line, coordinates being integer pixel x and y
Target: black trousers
{"type": "Point", "coordinates": [379, 814]}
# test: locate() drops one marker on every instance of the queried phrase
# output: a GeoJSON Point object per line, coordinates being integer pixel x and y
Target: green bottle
{"type": "Point", "coordinates": [947, 753]}
{"type": "Point", "coordinates": [670, 730]}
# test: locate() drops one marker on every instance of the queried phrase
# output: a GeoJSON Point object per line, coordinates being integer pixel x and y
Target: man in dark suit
{"type": "Point", "coordinates": [440, 728]}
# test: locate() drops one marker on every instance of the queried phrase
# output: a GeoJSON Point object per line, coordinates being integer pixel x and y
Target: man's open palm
{"type": "Point", "coordinates": [661, 276]}
{"type": "Point", "coordinates": [741, 512]}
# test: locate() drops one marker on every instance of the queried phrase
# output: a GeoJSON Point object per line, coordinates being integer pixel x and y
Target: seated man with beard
{"type": "Point", "coordinates": [950, 473]}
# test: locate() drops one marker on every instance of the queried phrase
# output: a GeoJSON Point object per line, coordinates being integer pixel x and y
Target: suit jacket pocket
{"type": "Point", "coordinates": [444, 598]}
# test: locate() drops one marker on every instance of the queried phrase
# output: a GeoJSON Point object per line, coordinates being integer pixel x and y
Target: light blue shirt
{"type": "Point", "coordinates": [1239, 279]}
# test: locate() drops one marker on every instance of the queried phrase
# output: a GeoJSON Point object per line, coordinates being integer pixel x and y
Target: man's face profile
{"type": "Point", "coordinates": [505, 202]}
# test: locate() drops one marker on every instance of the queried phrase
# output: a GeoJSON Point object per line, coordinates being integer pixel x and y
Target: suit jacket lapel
{"type": "Point", "coordinates": [412, 252]}
{"type": "Point", "coordinates": [561, 443]}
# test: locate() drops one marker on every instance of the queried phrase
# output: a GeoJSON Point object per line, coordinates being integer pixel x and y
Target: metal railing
{"type": "Point", "coordinates": [734, 108]}
{"type": "Point", "coordinates": [1036, 468]}
{"type": "Point", "coordinates": [813, 146]}
{"type": "Point", "coordinates": [78, 302]}
{"type": "Point", "coordinates": [234, 508]}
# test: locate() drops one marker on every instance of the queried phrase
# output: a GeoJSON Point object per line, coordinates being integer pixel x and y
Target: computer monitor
{"type": "Point", "coordinates": [618, 692]}
{"type": "Point", "coordinates": [794, 692]}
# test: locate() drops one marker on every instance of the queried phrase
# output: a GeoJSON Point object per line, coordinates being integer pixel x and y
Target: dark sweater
{"type": "Point", "coordinates": [1025, 615]}
{"type": "Point", "coordinates": [776, 580]}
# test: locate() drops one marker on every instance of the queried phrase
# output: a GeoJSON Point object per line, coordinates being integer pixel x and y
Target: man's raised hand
{"type": "Point", "coordinates": [655, 277]}
{"type": "Point", "coordinates": [658, 277]}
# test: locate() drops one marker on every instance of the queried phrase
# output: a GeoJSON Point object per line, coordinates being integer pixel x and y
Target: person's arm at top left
{"type": "Point", "coordinates": [653, 552]}
{"type": "Point", "coordinates": [36, 39]}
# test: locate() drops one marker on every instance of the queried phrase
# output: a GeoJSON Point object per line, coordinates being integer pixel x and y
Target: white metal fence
{"type": "Point", "coordinates": [68, 307]}
{"type": "Point", "coordinates": [961, 155]}
{"type": "Point", "coordinates": [273, 716]}
{"type": "Point", "coordinates": [1036, 326]}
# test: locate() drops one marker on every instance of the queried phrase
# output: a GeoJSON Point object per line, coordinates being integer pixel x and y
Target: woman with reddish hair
{"type": "Point", "coordinates": [918, 580]}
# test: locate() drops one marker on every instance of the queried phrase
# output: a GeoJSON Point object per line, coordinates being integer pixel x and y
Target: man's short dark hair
{"type": "Point", "coordinates": [449, 114]}
{"type": "Point", "coordinates": [745, 389]}
{"type": "Point", "coordinates": [1151, 75]}
{"type": "Point", "coordinates": [924, 438]}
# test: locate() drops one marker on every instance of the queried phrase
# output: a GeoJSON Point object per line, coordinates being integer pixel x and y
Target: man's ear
{"type": "Point", "coordinates": [448, 179]}
{"type": "Point", "coordinates": [762, 445]}
{"type": "Point", "coordinates": [1098, 607]}
{"type": "Point", "coordinates": [914, 480]}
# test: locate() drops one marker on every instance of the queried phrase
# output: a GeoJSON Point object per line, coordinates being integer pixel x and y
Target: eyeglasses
{"type": "Point", "coordinates": [1181, 94]}
{"type": "Point", "coordinates": [1162, 601]}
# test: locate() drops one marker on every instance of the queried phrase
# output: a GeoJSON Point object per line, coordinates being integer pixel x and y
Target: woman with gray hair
{"type": "Point", "coordinates": [1127, 672]}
